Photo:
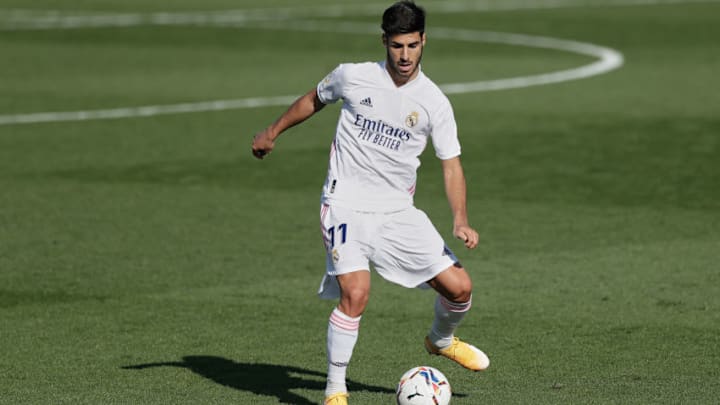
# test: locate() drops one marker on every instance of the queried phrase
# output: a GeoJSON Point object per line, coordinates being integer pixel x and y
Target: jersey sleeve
{"type": "Point", "coordinates": [330, 89]}
{"type": "Point", "coordinates": [444, 133]}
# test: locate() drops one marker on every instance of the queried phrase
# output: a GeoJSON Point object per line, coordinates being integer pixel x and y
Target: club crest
{"type": "Point", "coordinates": [412, 119]}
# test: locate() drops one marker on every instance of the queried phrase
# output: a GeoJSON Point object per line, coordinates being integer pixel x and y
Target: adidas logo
{"type": "Point", "coordinates": [366, 102]}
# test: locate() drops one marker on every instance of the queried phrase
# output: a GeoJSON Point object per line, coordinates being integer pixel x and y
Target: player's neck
{"type": "Point", "coordinates": [399, 79]}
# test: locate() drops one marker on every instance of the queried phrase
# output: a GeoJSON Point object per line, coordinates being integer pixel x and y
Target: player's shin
{"type": "Point", "coordinates": [448, 315]}
{"type": "Point", "coordinates": [341, 338]}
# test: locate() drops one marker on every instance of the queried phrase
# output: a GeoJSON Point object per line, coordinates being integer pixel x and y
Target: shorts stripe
{"type": "Point", "coordinates": [333, 148]}
{"type": "Point", "coordinates": [411, 190]}
{"type": "Point", "coordinates": [323, 213]}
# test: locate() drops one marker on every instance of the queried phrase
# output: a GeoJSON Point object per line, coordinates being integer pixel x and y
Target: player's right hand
{"type": "Point", "coordinates": [262, 144]}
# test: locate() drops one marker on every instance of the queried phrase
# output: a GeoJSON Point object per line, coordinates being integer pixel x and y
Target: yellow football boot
{"type": "Point", "coordinates": [462, 353]}
{"type": "Point", "coordinates": [337, 399]}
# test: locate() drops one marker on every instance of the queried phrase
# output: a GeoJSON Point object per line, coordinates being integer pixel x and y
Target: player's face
{"type": "Point", "coordinates": [404, 52]}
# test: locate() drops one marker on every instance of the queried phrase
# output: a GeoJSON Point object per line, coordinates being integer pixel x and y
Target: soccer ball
{"type": "Point", "coordinates": [423, 386]}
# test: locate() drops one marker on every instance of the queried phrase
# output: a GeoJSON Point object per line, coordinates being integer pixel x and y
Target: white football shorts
{"type": "Point", "coordinates": [404, 247]}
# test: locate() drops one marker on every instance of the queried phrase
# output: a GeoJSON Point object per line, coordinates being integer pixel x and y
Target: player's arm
{"type": "Point", "coordinates": [302, 109]}
{"type": "Point", "coordinates": [456, 191]}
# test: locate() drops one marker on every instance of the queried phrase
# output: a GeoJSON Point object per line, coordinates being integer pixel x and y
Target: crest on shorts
{"type": "Point", "coordinates": [335, 256]}
{"type": "Point", "coordinates": [412, 119]}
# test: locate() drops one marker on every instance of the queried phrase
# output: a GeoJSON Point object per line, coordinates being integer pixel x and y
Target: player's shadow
{"type": "Point", "coordinates": [261, 379]}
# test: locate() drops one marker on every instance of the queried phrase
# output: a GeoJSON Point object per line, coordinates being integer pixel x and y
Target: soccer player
{"type": "Point", "coordinates": [390, 110]}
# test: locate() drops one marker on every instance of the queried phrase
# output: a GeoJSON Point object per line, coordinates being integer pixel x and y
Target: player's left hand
{"type": "Point", "coordinates": [466, 234]}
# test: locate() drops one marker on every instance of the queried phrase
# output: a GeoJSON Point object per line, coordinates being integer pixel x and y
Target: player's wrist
{"type": "Point", "coordinates": [271, 133]}
{"type": "Point", "coordinates": [459, 223]}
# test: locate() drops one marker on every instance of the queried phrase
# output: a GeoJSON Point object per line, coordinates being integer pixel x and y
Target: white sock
{"type": "Point", "coordinates": [448, 315]}
{"type": "Point", "coordinates": [341, 337]}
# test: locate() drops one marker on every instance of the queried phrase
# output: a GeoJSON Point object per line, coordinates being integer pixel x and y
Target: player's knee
{"type": "Point", "coordinates": [464, 294]}
{"type": "Point", "coordinates": [358, 295]}
{"type": "Point", "coordinates": [354, 300]}
{"type": "Point", "coordinates": [463, 290]}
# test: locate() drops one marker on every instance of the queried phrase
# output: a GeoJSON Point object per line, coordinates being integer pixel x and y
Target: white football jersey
{"type": "Point", "coordinates": [381, 132]}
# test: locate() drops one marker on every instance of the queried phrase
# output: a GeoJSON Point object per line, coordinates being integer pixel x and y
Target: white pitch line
{"type": "Point", "coordinates": [608, 59]}
{"type": "Point", "coordinates": [145, 111]}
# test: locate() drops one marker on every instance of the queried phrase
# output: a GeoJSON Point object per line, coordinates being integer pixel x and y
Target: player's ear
{"type": "Point", "coordinates": [384, 40]}
{"type": "Point", "coordinates": [423, 38]}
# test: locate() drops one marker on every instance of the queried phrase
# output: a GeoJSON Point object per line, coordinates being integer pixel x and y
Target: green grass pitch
{"type": "Point", "coordinates": [152, 260]}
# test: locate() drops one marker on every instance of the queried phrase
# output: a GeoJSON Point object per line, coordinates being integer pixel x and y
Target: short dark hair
{"type": "Point", "coordinates": [403, 17]}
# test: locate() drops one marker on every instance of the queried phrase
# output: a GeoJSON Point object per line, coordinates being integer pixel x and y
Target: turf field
{"type": "Point", "coordinates": [151, 260]}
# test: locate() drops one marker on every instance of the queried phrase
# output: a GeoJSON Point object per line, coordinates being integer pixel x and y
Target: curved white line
{"type": "Point", "coordinates": [608, 59]}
